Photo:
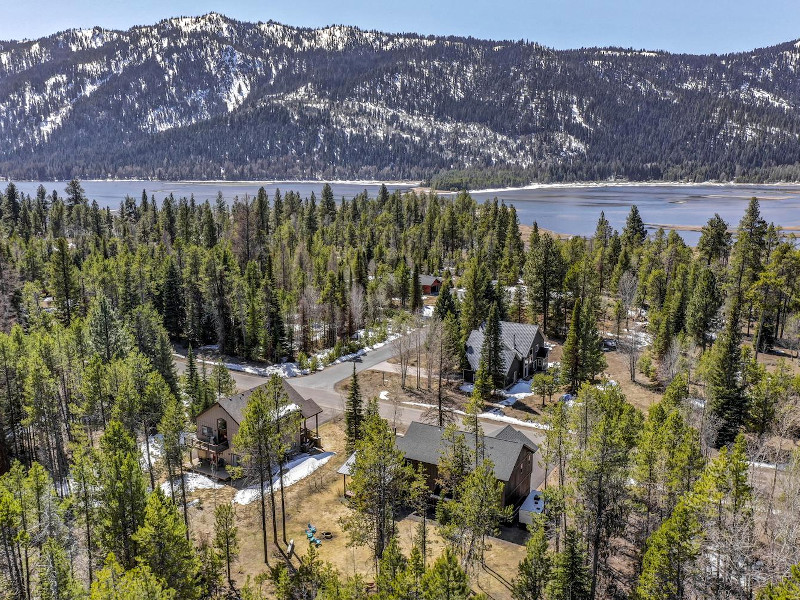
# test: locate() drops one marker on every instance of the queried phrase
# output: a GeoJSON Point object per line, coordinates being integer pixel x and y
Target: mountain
{"type": "Point", "coordinates": [210, 97]}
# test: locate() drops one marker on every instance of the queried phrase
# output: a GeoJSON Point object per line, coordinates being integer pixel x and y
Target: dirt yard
{"type": "Point", "coordinates": [319, 500]}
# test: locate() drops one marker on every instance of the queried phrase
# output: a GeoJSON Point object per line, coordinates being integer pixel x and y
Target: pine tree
{"type": "Point", "coordinates": [416, 291]}
{"type": "Point", "coordinates": [492, 349]}
{"type": "Point", "coordinates": [106, 331]}
{"type": "Point", "coordinates": [570, 579]}
{"type": "Point", "coordinates": [64, 282]}
{"type": "Point", "coordinates": [56, 581]}
{"type": "Point", "coordinates": [476, 513]}
{"type": "Point", "coordinates": [192, 384]}
{"type": "Point", "coordinates": [445, 303]}
{"type": "Point", "coordinates": [226, 535]}
{"type": "Point", "coordinates": [634, 232]}
{"type": "Point", "coordinates": [534, 570]}
{"type": "Point", "coordinates": [353, 413]}
{"type": "Point", "coordinates": [543, 274]}
{"type": "Point", "coordinates": [172, 299]}
{"type": "Point", "coordinates": [478, 295]}
{"type": "Point", "coordinates": [121, 492]}
{"type": "Point", "coordinates": [222, 382]}
{"type": "Point", "coordinates": [172, 426]}
{"type": "Point", "coordinates": [715, 241]}
{"type": "Point", "coordinates": [592, 359]}
{"type": "Point", "coordinates": [165, 548]}
{"type": "Point", "coordinates": [728, 402]}
{"type": "Point", "coordinates": [379, 483]}
{"type": "Point", "coordinates": [115, 583]}
{"type": "Point", "coordinates": [607, 428]}
{"type": "Point", "coordinates": [255, 443]}
{"type": "Point", "coordinates": [84, 475]}
{"type": "Point", "coordinates": [571, 355]}
{"type": "Point", "coordinates": [446, 580]}
{"type": "Point", "coordinates": [703, 307]}
{"type": "Point", "coordinates": [391, 581]}
{"type": "Point", "coordinates": [670, 552]}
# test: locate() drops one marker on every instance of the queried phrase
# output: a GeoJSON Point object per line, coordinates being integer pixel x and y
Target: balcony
{"type": "Point", "coordinates": [208, 444]}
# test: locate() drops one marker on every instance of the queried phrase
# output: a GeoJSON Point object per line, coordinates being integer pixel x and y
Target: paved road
{"type": "Point", "coordinates": [320, 387]}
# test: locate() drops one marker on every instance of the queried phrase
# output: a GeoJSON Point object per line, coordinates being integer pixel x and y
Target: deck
{"type": "Point", "coordinates": [220, 474]}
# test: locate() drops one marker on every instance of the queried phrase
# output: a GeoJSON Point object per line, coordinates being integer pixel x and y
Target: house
{"type": "Point", "coordinates": [523, 349]}
{"type": "Point", "coordinates": [219, 423]}
{"type": "Point", "coordinates": [430, 285]}
{"type": "Point", "coordinates": [515, 457]}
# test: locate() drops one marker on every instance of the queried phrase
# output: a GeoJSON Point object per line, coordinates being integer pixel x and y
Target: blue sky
{"type": "Point", "coordinates": [696, 26]}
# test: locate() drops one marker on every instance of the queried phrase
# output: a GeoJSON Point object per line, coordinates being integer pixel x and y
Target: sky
{"type": "Point", "coordinates": [692, 26]}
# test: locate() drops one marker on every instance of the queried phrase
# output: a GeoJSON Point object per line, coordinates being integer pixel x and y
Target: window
{"type": "Point", "coordinates": [207, 431]}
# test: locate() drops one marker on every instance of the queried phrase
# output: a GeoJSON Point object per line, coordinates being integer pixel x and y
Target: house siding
{"type": "Point", "coordinates": [515, 490]}
{"type": "Point", "coordinates": [209, 419]}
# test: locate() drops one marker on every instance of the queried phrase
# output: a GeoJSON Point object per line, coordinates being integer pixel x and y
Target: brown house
{"type": "Point", "coordinates": [219, 423]}
{"type": "Point", "coordinates": [512, 453]}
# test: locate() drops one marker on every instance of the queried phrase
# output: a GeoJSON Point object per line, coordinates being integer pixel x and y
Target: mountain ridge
{"type": "Point", "coordinates": [214, 98]}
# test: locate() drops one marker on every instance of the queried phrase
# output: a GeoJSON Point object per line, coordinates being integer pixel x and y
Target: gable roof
{"type": "Point", "coordinates": [235, 405]}
{"type": "Point", "coordinates": [516, 340]}
{"type": "Point", "coordinates": [514, 435]}
{"type": "Point", "coordinates": [429, 279]}
{"type": "Point", "coordinates": [423, 443]}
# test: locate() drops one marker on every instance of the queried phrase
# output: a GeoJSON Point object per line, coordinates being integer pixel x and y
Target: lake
{"type": "Point", "coordinates": [569, 208]}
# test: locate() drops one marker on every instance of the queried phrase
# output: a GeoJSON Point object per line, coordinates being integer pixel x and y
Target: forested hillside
{"type": "Point", "coordinates": [697, 498]}
{"type": "Point", "coordinates": [213, 98]}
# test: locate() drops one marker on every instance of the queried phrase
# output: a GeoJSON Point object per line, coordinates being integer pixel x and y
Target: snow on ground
{"type": "Point", "coordinates": [156, 449]}
{"type": "Point", "coordinates": [292, 369]}
{"type": "Point", "coordinates": [295, 470]}
{"type": "Point", "coordinates": [493, 415]}
{"type": "Point", "coordinates": [384, 395]}
{"type": "Point", "coordinates": [285, 370]}
{"type": "Point", "coordinates": [193, 482]}
{"type": "Point", "coordinates": [764, 465]}
{"type": "Point", "coordinates": [697, 402]}
{"type": "Point", "coordinates": [506, 419]}
{"type": "Point", "coordinates": [518, 391]}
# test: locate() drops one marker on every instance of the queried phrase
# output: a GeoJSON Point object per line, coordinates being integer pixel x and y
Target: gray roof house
{"type": "Point", "coordinates": [430, 284]}
{"type": "Point", "coordinates": [523, 349]}
{"type": "Point", "coordinates": [514, 456]}
{"type": "Point", "coordinates": [219, 423]}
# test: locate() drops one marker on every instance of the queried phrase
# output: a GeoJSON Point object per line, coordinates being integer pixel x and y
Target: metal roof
{"type": "Point", "coordinates": [347, 467]}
